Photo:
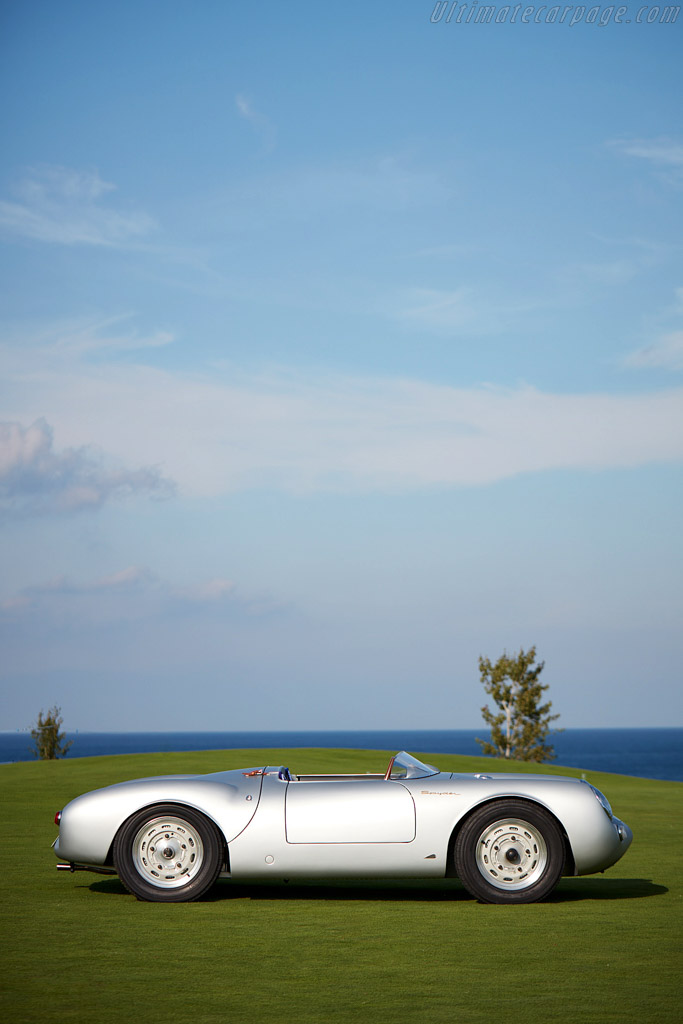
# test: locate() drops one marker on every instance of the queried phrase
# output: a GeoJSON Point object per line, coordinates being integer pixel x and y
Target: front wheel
{"type": "Point", "coordinates": [168, 854]}
{"type": "Point", "coordinates": [509, 851]}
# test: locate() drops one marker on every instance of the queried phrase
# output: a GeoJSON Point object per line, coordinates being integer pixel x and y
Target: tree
{"type": "Point", "coordinates": [521, 726]}
{"type": "Point", "coordinates": [48, 740]}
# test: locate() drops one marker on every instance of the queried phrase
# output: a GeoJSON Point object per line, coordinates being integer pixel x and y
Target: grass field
{"type": "Point", "coordinates": [78, 948]}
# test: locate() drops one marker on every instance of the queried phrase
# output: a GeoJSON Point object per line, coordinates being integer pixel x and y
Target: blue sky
{"type": "Point", "coordinates": [338, 348]}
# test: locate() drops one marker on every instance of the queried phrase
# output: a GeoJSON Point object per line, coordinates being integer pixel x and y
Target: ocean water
{"type": "Point", "coordinates": [649, 753]}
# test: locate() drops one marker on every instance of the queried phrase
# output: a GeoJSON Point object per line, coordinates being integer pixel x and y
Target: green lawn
{"type": "Point", "coordinates": [78, 948]}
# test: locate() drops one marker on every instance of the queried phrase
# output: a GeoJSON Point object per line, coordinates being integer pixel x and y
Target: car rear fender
{"type": "Point", "coordinates": [90, 823]}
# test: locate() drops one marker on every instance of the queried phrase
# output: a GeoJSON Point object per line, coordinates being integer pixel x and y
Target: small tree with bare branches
{"type": "Point", "coordinates": [521, 726]}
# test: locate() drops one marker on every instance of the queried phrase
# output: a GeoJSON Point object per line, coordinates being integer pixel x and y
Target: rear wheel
{"type": "Point", "coordinates": [509, 851]}
{"type": "Point", "coordinates": [168, 854]}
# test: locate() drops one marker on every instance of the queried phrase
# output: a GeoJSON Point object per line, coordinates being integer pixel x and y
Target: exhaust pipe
{"type": "Point", "coordinates": [71, 866]}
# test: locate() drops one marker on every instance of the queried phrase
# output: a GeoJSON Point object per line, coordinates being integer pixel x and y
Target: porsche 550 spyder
{"type": "Point", "coordinates": [508, 837]}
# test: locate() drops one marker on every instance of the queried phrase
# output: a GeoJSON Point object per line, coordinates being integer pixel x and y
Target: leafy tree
{"type": "Point", "coordinates": [48, 740]}
{"type": "Point", "coordinates": [521, 726]}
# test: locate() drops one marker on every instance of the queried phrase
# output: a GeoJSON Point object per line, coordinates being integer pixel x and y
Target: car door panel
{"type": "Point", "coordinates": [372, 811]}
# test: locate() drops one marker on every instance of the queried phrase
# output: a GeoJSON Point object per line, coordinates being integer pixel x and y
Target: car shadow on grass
{"type": "Point", "coordinates": [399, 890]}
{"type": "Point", "coordinates": [572, 889]}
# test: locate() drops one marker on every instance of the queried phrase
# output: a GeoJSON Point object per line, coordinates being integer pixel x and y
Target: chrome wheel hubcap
{"type": "Point", "coordinates": [167, 852]}
{"type": "Point", "coordinates": [511, 854]}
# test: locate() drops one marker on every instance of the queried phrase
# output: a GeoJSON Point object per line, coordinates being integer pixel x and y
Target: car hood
{"type": "Point", "coordinates": [514, 777]}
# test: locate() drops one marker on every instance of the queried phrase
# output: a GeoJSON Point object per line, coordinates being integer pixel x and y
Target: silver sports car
{"type": "Point", "coordinates": [508, 837]}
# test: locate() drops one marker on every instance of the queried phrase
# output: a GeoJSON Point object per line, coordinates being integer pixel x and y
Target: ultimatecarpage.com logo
{"type": "Point", "coordinates": [454, 12]}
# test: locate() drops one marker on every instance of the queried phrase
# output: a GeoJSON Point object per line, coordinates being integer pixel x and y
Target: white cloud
{"type": "Point", "coordinates": [664, 153]}
{"type": "Point", "coordinates": [64, 206]}
{"type": "Point", "coordinates": [223, 431]}
{"type": "Point", "coordinates": [37, 480]}
{"type": "Point", "coordinates": [666, 353]}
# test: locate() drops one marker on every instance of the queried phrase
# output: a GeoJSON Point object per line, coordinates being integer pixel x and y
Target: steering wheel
{"type": "Point", "coordinates": [387, 775]}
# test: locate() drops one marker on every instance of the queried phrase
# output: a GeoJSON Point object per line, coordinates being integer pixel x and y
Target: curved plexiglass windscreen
{"type": "Point", "coordinates": [406, 766]}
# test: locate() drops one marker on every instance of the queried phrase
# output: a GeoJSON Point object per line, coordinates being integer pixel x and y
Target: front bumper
{"type": "Point", "coordinates": [622, 841]}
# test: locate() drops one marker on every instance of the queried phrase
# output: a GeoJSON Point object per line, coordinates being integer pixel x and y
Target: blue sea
{"type": "Point", "coordinates": [649, 753]}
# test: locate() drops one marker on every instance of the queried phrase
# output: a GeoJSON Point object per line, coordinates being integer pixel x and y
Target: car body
{"type": "Point", "coordinates": [508, 837]}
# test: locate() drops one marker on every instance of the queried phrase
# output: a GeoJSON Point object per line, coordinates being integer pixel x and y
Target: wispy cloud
{"type": "Point", "coordinates": [107, 333]}
{"type": "Point", "coordinates": [259, 122]}
{"type": "Point", "coordinates": [134, 593]}
{"type": "Point", "coordinates": [460, 311]}
{"type": "Point", "coordinates": [450, 311]}
{"type": "Point", "coordinates": [664, 154]}
{"type": "Point", "coordinates": [666, 353]}
{"type": "Point", "coordinates": [133, 576]}
{"type": "Point", "coordinates": [125, 580]}
{"type": "Point", "coordinates": [69, 207]}
{"type": "Point", "coordinates": [208, 591]}
{"type": "Point", "coordinates": [447, 251]}
{"type": "Point", "coordinates": [375, 187]}
{"type": "Point", "coordinates": [35, 479]}
{"type": "Point", "coordinates": [76, 338]}
{"type": "Point", "coordinates": [609, 272]}
{"type": "Point", "coordinates": [387, 182]}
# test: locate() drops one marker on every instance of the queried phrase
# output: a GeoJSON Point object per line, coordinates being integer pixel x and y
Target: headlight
{"type": "Point", "coordinates": [602, 799]}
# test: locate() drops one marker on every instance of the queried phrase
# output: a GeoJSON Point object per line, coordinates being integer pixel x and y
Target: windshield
{"type": "Point", "coordinates": [405, 766]}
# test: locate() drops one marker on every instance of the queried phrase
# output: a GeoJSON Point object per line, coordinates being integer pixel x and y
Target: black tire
{"type": "Point", "coordinates": [168, 854]}
{"type": "Point", "coordinates": [509, 851]}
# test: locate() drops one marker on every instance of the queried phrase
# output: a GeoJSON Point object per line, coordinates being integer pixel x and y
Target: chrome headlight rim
{"type": "Point", "coordinates": [603, 801]}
